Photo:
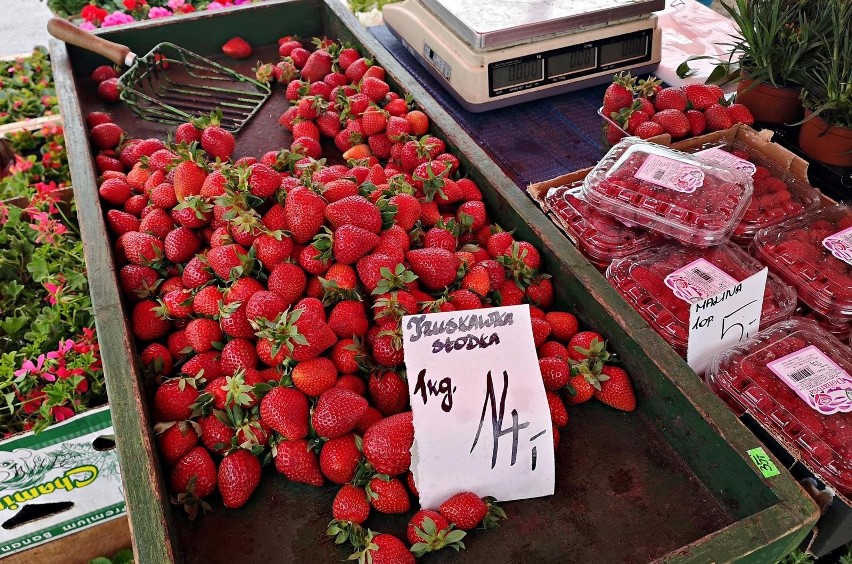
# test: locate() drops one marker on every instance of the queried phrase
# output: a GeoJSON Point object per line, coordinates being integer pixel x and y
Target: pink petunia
{"type": "Point", "coordinates": [28, 367]}
{"type": "Point", "coordinates": [158, 12]}
{"type": "Point", "coordinates": [215, 5]}
{"type": "Point", "coordinates": [117, 18]}
{"type": "Point", "coordinates": [88, 26]}
{"type": "Point", "coordinates": [176, 4]}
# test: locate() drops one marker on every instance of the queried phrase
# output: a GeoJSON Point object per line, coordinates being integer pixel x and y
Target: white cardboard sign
{"type": "Point", "coordinates": [481, 419]}
{"type": "Point", "coordinates": [722, 320]}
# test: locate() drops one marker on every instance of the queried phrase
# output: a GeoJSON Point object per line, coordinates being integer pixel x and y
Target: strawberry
{"type": "Point", "coordinates": [384, 549]}
{"type": "Point", "coordinates": [619, 94]}
{"type": "Point", "coordinates": [203, 334]}
{"type": "Point", "coordinates": [339, 458]}
{"type": "Point", "coordinates": [351, 505]}
{"type": "Point", "coordinates": [702, 96]}
{"type": "Point", "coordinates": [554, 372]}
{"type": "Point", "coordinates": [673, 121]}
{"type": "Point", "coordinates": [237, 48]}
{"type": "Point", "coordinates": [228, 261]}
{"type": "Point", "coordinates": [318, 65]}
{"type": "Point", "coordinates": [718, 117]}
{"type": "Point", "coordinates": [587, 345]}
{"type": "Point", "coordinates": [740, 114]}
{"type": "Point", "coordinates": [103, 72]}
{"type": "Point", "coordinates": [649, 129]}
{"type": "Point", "coordinates": [217, 142]}
{"type": "Point", "coordinates": [466, 511]}
{"type": "Point", "coordinates": [337, 412]}
{"type": "Point", "coordinates": [581, 386]}
{"type": "Point", "coordinates": [697, 122]}
{"type": "Point", "coordinates": [436, 268]}
{"type": "Point", "coordinates": [146, 323]}
{"type": "Point", "coordinates": [115, 191]}
{"type": "Point", "coordinates": [174, 399]}
{"type": "Point", "coordinates": [288, 281]}
{"type": "Point", "coordinates": [106, 135]}
{"type": "Point", "coordinates": [418, 122]}
{"type": "Point", "coordinates": [181, 244]}
{"type": "Point", "coordinates": [314, 376]}
{"type": "Point", "coordinates": [388, 392]}
{"type": "Point", "coordinates": [671, 98]}
{"type": "Point", "coordinates": [239, 476]}
{"type": "Point", "coordinates": [157, 360]}
{"type": "Point", "coordinates": [374, 88]}
{"type": "Point", "coordinates": [108, 90]}
{"type": "Point", "coordinates": [238, 354]}
{"type": "Point", "coordinates": [187, 133]}
{"type": "Point", "coordinates": [298, 463]}
{"type": "Point", "coordinates": [354, 210]}
{"type": "Point", "coordinates": [121, 222]}
{"type": "Point", "coordinates": [265, 305]}
{"type": "Point", "coordinates": [387, 444]}
{"type": "Point", "coordinates": [194, 478]}
{"type": "Point", "coordinates": [285, 410]}
{"type": "Point", "coordinates": [616, 390]}
{"type": "Point", "coordinates": [272, 248]}
{"type": "Point", "coordinates": [176, 441]}
{"type": "Point", "coordinates": [305, 213]}
{"type": "Point", "coordinates": [563, 325]}
{"type": "Point", "coordinates": [558, 413]}
{"type": "Point", "coordinates": [388, 495]}
{"type": "Point", "coordinates": [188, 179]}
{"type": "Point", "coordinates": [429, 531]}
{"type": "Point", "coordinates": [348, 318]}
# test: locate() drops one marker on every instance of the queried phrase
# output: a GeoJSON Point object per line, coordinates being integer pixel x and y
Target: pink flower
{"type": "Point", "coordinates": [158, 12]}
{"type": "Point", "coordinates": [27, 367]}
{"type": "Point", "coordinates": [46, 227]}
{"type": "Point", "coordinates": [176, 4]}
{"type": "Point", "coordinates": [215, 5]}
{"type": "Point", "coordinates": [54, 291]}
{"type": "Point", "coordinates": [117, 18]}
{"type": "Point", "coordinates": [88, 26]}
{"type": "Point", "coordinates": [21, 164]}
{"type": "Point", "coordinates": [4, 214]}
{"type": "Point", "coordinates": [61, 413]}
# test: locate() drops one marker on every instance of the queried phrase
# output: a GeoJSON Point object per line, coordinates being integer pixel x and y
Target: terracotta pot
{"type": "Point", "coordinates": [828, 144]}
{"type": "Point", "coordinates": [770, 104]}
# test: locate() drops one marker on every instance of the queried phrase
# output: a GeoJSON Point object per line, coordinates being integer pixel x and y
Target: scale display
{"type": "Point", "coordinates": [572, 62]}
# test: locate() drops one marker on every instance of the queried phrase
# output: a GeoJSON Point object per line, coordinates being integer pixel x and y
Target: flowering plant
{"type": "Point", "coordinates": [40, 157]}
{"type": "Point", "coordinates": [108, 13]}
{"type": "Point", "coordinates": [26, 88]}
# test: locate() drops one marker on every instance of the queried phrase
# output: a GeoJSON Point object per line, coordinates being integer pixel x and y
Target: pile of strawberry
{"type": "Point", "coordinates": [646, 109]}
{"type": "Point", "coordinates": [267, 295]}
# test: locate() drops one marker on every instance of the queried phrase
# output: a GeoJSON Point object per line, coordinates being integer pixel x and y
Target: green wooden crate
{"type": "Point", "coordinates": [673, 478]}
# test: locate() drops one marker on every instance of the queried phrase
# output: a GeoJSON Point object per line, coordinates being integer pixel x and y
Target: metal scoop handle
{"type": "Point", "coordinates": [70, 33]}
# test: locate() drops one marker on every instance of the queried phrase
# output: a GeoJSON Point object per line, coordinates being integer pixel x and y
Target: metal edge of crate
{"type": "Point", "coordinates": [779, 526]}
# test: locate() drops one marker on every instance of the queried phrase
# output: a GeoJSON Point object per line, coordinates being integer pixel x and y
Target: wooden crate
{"type": "Point", "coordinates": [673, 477]}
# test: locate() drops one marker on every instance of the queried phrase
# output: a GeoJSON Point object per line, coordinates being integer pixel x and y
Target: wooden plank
{"type": "Point", "coordinates": [129, 410]}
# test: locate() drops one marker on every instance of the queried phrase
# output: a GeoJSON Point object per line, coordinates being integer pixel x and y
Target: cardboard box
{"type": "Point", "coordinates": [64, 480]}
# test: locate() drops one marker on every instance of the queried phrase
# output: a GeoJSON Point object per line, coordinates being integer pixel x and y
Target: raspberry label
{"type": "Point", "coordinates": [815, 378]}
{"type": "Point", "coordinates": [726, 160]}
{"type": "Point", "coordinates": [671, 173]}
{"type": "Point", "coordinates": [698, 280]}
{"type": "Point", "coordinates": [840, 245]}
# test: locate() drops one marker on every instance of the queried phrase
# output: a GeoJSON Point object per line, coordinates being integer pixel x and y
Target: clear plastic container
{"type": "Point", "coordinates": [669, 192]}
{"type": "Point", "coordinates": [839, 327]}
{"type": "Point", "coordinates": [600, 237]}
{"type": "Point", "coordinates": [814, 254]}
{"type": "Point", "coordinates": [778, 195]}
{"type": "Point", "coordinates": [795, 379]}
{"type": "Point", "coordinates": [661, 284]}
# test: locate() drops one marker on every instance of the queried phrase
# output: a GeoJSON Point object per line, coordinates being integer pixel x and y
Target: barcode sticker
{"type": "Point", "coordinates": [727, 160]}
{"type": "Point", "coordinates": [840, 245]}
{"type": "Point", "coordinates": [699, 280]}
{"type": "Point", "coordinates": [671, 173]}
{"type": "Point", "coordinates": [815, 378]}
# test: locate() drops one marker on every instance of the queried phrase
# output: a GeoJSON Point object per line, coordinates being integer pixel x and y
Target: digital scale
{"type": "Point", "coordinates": [496, 53]}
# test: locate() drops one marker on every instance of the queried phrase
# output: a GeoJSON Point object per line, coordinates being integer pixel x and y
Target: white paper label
{"type": "Point", "coordinates": [720, 321]}
{"type": "Point", "coordinates": [699, 280]}
{"type": "Point", "coordinates": [727, 160]}
{"type": "Point", "coordinates": [671, 173]}
{"type": "Point", "coordinates": [481, 418]}
{"type": "Point", "coordinates": [815, 378]}
{"type": "Point", "coordinates": [840, 245]}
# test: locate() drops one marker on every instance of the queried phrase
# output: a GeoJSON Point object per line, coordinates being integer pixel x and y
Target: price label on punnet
{"type": "Point", "coordinates": [724, 319]}
{"type": "Point", "coordinates": [481, 419]}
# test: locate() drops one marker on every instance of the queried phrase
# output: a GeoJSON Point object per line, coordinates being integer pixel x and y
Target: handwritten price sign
{"type": "Point", "coordinates": [481, 420]}
{"type": "Point", "coordinates": [725, 319]}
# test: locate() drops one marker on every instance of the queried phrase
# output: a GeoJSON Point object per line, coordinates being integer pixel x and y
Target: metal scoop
{"type": "Point", "coordinates": [170, 84]}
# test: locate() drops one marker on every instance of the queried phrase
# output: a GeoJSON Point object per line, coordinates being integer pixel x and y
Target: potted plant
{"type": "Point", "coordinates": [826, 133]}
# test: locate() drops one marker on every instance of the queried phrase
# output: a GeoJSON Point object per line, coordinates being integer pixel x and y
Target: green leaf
{"type": "Point", "coordinates": [455, 536]}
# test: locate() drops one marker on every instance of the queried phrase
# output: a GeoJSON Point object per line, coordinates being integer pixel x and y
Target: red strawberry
{"type": "Point", "coordinates": [374, 88]}
{"type": "Point", "coordinates": [697, 122]}
{"type": "Point", "coordinates": [318, 65]}
{"type": "Point", "coordinates": [619, 94]}
{"type": "Point", "coordinates": [115, 191]}
{"type": "Point", "coordinates": [188, 179]}
{"type": "Point", "coordinates": [146, 322]}
{"type": "Point", "coordinates": [176, 440]}
{"type": "Point", "coordinates": [237, 48]}
{"type": "Point", "coordinates": [388, 495]}
{"type": "Point", "coordinates": [558, 413]}
{"type": "Point", "coordinates": [157, 360]}
{"type": "Point", "coordinates": [387, 444]}
{"type": "Point", "coordinates": [298, 463]}
{"type": "Point", "coordinates": [203, 334]}
{"type": "Point", "coordinates": [563, 325]}
{"type": "Point", "coordinates": [228, 261]}
{"type": "Point", "coordinates": [348, 318]}
{"type": "Point", "coordinates": [351, 505]}
{"type": "Point", "coordinates": [671, 98]}
{"type": "Point", "coordinates": [616, 390]}
{"type": "Point", "coordinates": [239, 476]}
{"type": "Point", "coordinates": [285, 410]}
{"type": "Point", "coordinates": [702, 96]}
{"type": "Point", "coordinates": [388, 392]}
{"type": "Point", "coordinates": [740, 114]}
{"type": "Point", "coordinates": [428, 532]}
{"type": "Point", "coordinates": [314, 376]}
{"type": "Point", "coordinates": [265, 305]}
{"type": "Point", "coordinates": [674, 122]}
{"type": "Point", "coordinates": [337, 412]}
{"type": "Point", "coordinates": [385, 549]}
{"type": "Point", "coordinates": [583, 389]}
{"type": "Point", "coordinates": [217, 142]}
{"type": "Point", "coordinates": [436, 268]}
{"type": "Point", "coordinates": [369, 269]}
{"type": "Point", "coordinates": [194, 474]}
{"type": "Point", "coordinates": [649, 129]}
{"type": "Point", "coordinates": [174, 399]}
{"type": "Point", "coordinates": [586, 345]}
{"type": "Point", "coordinates": [339, 458]}
{"type": "Point", "coordinates": [103, 72]}
{"type": "Point", "coordinates": [121, 222]}
{"type": "Point", "coordinates": [187, 133]}
{"type": "Point", "coordinates": [718, 117]}
{"type": "Point", "coordinates": [106, 135]}
{"type": "Point", "coordinates": [465, 510]}
{"type": "Point", "coordinates": [418, 121]}
{"type": "Point", "coordinates": [238, 354]}
{"type": "Point", "coordinates": [351, 243]}
{"type": "Point", "coordinates": [305, 212]}
{"type": "Point", "coordinates": [108, 90]}
{"type": "Point", "coordinates": [181, 245]}
{"type": "Point", "coordinates": [288, 281]}
{"type": "Point", "coordinates": [354, 210]}
{"type": "Point", "coordinates": [554, 372]}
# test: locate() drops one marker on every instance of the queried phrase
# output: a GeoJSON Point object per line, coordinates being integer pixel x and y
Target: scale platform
{"type": "Point", "coordinates": [492, 54]}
